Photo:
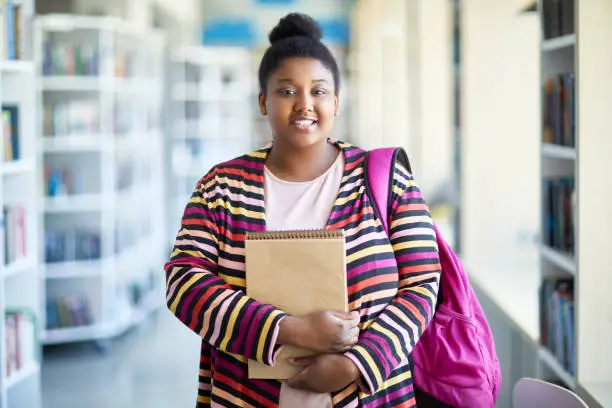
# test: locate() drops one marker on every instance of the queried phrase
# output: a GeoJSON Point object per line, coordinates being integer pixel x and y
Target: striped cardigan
{"type": "Point", "coordinates": [392, 283]}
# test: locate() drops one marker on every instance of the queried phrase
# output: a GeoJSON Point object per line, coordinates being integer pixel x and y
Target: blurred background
{"type": "Point", "coordinates": [112, 110]}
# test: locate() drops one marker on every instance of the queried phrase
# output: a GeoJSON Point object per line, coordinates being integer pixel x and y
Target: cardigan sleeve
{"type": "Point", "coordinates": [223, 316]}
{"type": "Point", "coordinates": [390, 337]}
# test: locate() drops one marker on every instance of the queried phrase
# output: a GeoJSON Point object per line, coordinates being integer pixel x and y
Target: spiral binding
{"type": "Point", "coordinates": [294, 234]}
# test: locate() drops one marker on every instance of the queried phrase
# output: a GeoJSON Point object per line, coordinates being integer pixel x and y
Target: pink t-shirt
{"type": "Point", "coordinates": [302, 205]}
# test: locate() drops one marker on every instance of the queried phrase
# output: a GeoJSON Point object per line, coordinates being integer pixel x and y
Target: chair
{"type": "Point", "coordinates": [533, 393]}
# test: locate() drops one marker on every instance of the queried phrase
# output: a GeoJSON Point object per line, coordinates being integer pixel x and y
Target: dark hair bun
{"type": "Point", "coordinates": [296, 24]}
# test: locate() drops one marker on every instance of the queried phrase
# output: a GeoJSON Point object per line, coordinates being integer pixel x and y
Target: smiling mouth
{"type": "Point", "coordinates": [304, 124]}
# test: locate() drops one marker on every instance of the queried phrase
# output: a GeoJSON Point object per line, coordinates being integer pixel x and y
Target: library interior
{"type": "Point", "coordinates": [113, 110]}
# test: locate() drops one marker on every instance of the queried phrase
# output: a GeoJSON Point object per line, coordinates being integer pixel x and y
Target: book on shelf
{"type": "Point", "coordinates": [557, 321]}
{"type": "Point", "coordinates": [560, 110]}
{"type": "Point", "coordinates": [193, 74]}
{"type": "Point", "coordinates": [124, 64]}
{"type": "Point", "coordinates": [11, 30]}
{"type": "Point", "coordinates": [72, 245]}
{"type": "Point", "coordinates": [62, 181]}
{"type": "Point", "coordinates": [558, 18]}
{"type": "Point", "coordinates": [68, 311]}
{"type": "Point", "coordinates": [14, 233]}
{"type": "Point", "coordinates": [10, 133]}
{"type": "Point", "coordinates": [79, 117]}
{"type": "Point", "coordinates": [66, 58]}
{"type": "Point", "coordinates": [559, 218]}
{"type": "Point", "coordinates": [20, 327]}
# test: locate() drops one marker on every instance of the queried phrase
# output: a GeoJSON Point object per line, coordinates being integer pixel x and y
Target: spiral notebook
{"type": "Point", "coordinates": [298, 272]}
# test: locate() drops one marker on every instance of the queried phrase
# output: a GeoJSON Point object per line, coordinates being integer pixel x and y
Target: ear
{"type": "Point", "coordinates": [262, 104]}
{"type": "Point", "coordinates": [336, 104]}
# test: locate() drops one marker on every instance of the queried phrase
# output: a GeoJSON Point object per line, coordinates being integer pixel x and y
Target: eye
{"type": "Point", "coordinates": [320, 91]}
{"type": "Point", "coordinates": [287, 91]}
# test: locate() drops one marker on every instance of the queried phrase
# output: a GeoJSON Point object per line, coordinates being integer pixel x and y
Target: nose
{"type": "Point", "coordinates": [303, 103]}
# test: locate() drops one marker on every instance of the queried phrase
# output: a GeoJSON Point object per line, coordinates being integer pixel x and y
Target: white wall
{"type": "Point", "coordinates": [402, 78]}
{"type": "Point", "coordinates": [500, 137]}
{"type": "Point", "coordinates": [594, 318]}
{"type": "Point", "coordinates": [183, 16]}
{"type": "Point", "coordinates": [430, 90]}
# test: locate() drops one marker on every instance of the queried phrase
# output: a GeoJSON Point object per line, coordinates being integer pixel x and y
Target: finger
{"type": "Point", "coordinates": [354, 320]}
{"type": "Point", "coordinates": [354, 335]}
{"type": "Point", "coordinates": [301, 361]}
{"type": "Point", "coordinates": [346, 315]}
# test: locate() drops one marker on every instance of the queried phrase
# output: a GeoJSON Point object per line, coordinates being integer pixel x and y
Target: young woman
{"type": "Point", "coordinates": [304, 179]}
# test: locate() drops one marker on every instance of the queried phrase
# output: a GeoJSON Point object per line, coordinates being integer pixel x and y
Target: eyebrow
{"type": "Point", "coordinates": [285, 80]}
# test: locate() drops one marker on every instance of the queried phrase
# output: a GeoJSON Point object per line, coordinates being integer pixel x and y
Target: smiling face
{"type": "Point", "coordinates": [300, 101]}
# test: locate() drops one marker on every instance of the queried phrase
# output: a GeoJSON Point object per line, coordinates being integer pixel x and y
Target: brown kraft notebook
{"type": "Point", "coordinates": [298, 272]}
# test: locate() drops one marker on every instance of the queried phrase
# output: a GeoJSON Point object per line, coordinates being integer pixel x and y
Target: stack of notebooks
{"type": "Point", "coordinates": [299, 272]}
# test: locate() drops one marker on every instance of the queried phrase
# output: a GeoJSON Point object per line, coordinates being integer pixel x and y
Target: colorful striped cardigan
{"type": "Point", "coordinates": [206, 284]}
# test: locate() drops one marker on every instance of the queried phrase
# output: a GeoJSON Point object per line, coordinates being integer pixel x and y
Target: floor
{"type": "Point", "coordinates": [153, 366]}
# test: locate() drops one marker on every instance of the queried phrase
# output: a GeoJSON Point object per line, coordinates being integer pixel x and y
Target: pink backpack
{"type": "Point", "coordinates": [455, 360]}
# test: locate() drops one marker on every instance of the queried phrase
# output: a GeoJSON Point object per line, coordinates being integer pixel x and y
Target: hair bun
{"type": "Point", "coordinates": [296, 24]}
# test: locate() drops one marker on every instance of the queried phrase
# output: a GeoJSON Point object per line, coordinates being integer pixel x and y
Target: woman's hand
{"type": "Point", "coordinates": [324, 373]}
{"type": "Point", "coordinates": [322, 332]}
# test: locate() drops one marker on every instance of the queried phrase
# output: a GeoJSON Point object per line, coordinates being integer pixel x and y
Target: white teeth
{"type": "Point", "coordinates": [304, 122]}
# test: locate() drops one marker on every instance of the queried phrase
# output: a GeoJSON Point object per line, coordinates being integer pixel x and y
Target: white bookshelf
{"type": "Point", "coordinates": [505, 244]}
{"type": "Point", "coordinates": [19, 232]}
{"type": "Point", "coordinates": [558, 136]}
{"type": "Point", "coordinates": [210, 117]}
{"type": "Point", "coordinates": [100, 86]}
{"type": "Point", "coordinates": [505, 188]}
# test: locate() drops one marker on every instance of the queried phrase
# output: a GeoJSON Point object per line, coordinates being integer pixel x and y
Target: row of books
{"type": "Point", "coordinates": [559, 218]}
{"type": "Point", "coordinates": [72, 245]}
{"type": "Point", "coordinates": [558, 17]}
{"type": "Point", "coordinates": [81, 244]}
{"type": "Point", "coordinates": [77, 117]}
{"type": "Point", "coordinates": [560, 110]}
{"type": "Point", "coordinates": [11, 30]}
{"type": "Point", "coordinates": [74, 310]}
{"type": "Point", "coordinates": [68, 311]}
{"type": "Point", "coordinates": [14, 233]}
{"type": "Point", "coordinates": [556, 300]}
{"type": "Point", "coordinates": [83, 59]}
{"type": "Point", "coordinates": [64, 58]}
{"type": "Point", "coordinates": [62, 181]}
{"type": "Point", "coordinates": [10, 133]}
{"type": "Point", "coordinates": [21, 339]}
{"type": "Point", "coordinates": [82, 117]}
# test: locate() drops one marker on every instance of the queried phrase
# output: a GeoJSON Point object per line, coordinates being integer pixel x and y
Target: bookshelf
{"type": "Point", "coordinates": [558, 307]}
{"type": "Point", "coordinates": [559, 272]}
{"type": "Point", "coordinates": [100, 89]}
{"type": "Point", "coordinates": [517, 173]}
{"type": "Point", "coordinates": [210, 117]}
{"type": "Point", "coordinates": [19, 234]}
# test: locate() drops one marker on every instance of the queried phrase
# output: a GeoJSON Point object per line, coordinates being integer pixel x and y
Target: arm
{"type": "Point", "coordinates": [224, 317]}
{"type": "Point", "coordinates": [391, 336]}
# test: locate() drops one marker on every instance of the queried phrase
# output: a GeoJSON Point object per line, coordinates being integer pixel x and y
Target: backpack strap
{"type": "Point", "coordinates": [380, 169]}
{"type": "Point", "coordinates": [380, 165]}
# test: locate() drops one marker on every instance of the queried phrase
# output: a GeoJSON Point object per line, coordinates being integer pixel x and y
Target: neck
{"type": "Point", "coordinates": [301, 164]}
